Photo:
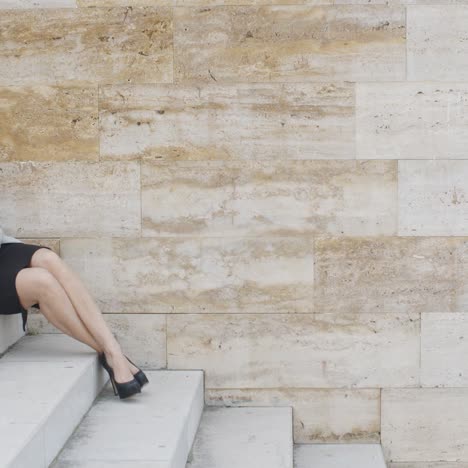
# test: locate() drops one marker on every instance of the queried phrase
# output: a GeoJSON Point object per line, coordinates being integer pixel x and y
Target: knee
{"type": "Point", "coordinates": [35, 284]}
{"type": "Point", "coordinates": [45, 282]}
{"type": "Point", "coordinates": [45, 259]}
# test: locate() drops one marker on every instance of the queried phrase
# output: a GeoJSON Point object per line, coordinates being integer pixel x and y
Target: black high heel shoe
{"type": "Point", "coordinates": [123, 389]}
{"type": "Point", "coordinates": [140, 375]}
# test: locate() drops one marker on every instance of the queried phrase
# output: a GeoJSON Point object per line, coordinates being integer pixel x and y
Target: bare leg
{"type": "Point", "coordinates": [87, 310]}
{"type": "Point", "coordinates": [38, 285]}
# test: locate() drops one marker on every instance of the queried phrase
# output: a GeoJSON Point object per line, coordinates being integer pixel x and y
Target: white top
{"type": "Point", "coordinates": [5, 239]}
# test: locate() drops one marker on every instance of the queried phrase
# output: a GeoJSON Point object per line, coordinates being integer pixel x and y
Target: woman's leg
{"type": "Point", "coordinates": [86, 310]}
{"type": "Point", "coordinates": [38, 285]}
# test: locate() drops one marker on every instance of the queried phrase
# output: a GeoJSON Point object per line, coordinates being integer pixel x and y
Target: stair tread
{"type": "Point", "coordinates": [338, 456]}
{"type": "Point", "coordinates": [37, 375]}
{"type": "Point", "coordinates": [154, 428]}
{"type": "Point", "coordinates": [250, 437]}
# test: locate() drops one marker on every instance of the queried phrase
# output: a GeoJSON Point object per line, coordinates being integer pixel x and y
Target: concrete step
{"type": "Point", "coordinates": [338, 456]}
{"type": "Point", "coordinates": [153, 429]}
{"type": "Point", "coordinates": [11, 330]}
{"type": "Point", "coordinates": [243, 437]}
{"type": "Point", "coordinates": [47, 384]}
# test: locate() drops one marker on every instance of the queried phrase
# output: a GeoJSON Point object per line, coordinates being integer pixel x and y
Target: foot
{"type": "Point", "coordinates": [133, 369]}
{"type": "Point", "coordinates": [121, 366]}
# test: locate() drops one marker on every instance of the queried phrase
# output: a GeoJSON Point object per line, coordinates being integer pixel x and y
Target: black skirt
{"type": "Point", "coordinates": [14, 256]}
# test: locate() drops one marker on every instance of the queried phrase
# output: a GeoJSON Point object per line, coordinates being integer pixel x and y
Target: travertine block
{"type": "Point", "coordinates": [216, 275]}
{"type": "Point", "coordinates": [432, 198]}
{"type": "Point", "coordinates": [390, 274]}
{"type": "Point", "coordinates": [429, 465]}
{"type": "Point", "coordinates": [427, 424]}
{"type": "Point", "coordinates": [20, 4]}
{"type": "Point", "coordinates": [444, 350]}
{"type": "Point", "coordinates": [86, 45]}
{"type": "Point", "coordinates": [320, 415]}
{"type": "Point", "coordinates": [240, 121]}
{"type": "Point", "coordinates": [54, 244]}
{"type": "Point", "coordinates": [43, 123]}
{"type": "Point", "coordinates": [142, 336]}
{"type": "Point", "coordinates": [138, 3]}
{"type": "Point", "coordinates": [132, 3]}
{"type": "Point", "coordinates": [289, 43]}
{"type": "Point", "coordinates": [411, 120]}
{"type": "Point", "coordinates": [55, 199]}
{"type": "Point", "coordinates": [260, 198]}
{"type": "Point", "coordinates": [436, 42]}
{"type": "Point", "coordinates": [297, 350]}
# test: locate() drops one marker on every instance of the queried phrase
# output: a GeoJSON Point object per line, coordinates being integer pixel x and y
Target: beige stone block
{"type": "Point", "coordinates": [289, 43]}
{"type": "Point", "coordinates": [54, 244]}
{"type": "Point", "coordinates": [23, 4]}
{"type": "Point", "coordinates": [411, 120]}
{"type": "Point", "coordinates": [389, 274]}
{"type": "Point", "coordinates": [436, 42]}
{"type": "Point", "coordinates": [199, 3]}
{"type": "Point", "coordinates": [132, 3]}
{"type": "Point", "coordinates": [83, 45]}
{"type": "Point", "coordinates": [297, 350]}
{"type": "Point", "coordinates": [141, 336]}
{"type": "Point", "coordinates": [432, 198]}
{"type": "Point", "coordinates": [232, 121]}
{"type": "Point", "coordinates": [319, 415]}
{"type": "Point", "coordinates": [429, 465]}
{"type": "Point", "coordinates": [44, 123]}
{"type": "Point", "coordinates": [54, 199]}
{"type": "Point", "coordinates": [429, 2]}
{"type": "Point", "coordinates": [262, 198]}
{"type": "Point", "coordinates": [444, 350]}
{"type": "Point", "coordinates": [215, 275]}
{"type": "Point", "coordinates": [425, 424]}
{"type": "Point", "coordinates": [20, 4]}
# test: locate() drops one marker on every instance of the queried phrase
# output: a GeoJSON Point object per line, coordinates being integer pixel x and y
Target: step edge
{"type": "Point", "coordinates": [42, 423]}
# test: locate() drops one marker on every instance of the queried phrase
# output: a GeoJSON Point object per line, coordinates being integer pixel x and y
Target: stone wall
{"type": "Point", "coordinates": [275, 194]}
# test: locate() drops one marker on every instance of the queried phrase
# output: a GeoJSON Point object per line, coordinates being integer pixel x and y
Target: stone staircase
{"type": "Point", "coordinates": [58, 410]}
{"type": "Point", "coordinates": [47, 384]}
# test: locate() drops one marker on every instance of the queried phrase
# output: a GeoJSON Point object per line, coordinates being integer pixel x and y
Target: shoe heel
{"type": "Point", "coordinates": [111, 377]}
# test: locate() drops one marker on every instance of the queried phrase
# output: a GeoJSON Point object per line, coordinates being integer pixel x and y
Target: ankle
{"type": "Point", "coordinates": [113, 352]}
